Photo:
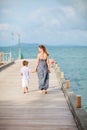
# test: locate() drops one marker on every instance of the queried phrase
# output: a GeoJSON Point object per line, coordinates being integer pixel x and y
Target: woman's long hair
{"type": "Point", "coordinates": [44, 49]}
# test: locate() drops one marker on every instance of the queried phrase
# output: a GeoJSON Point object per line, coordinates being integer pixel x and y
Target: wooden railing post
{"type": "Point", "coordinates": [58, 69]}
{"type": "Point", "coordinates": [62, 75]}
{"type": "Point", "coordinates": [78, 101]}
{"type": "Point", "coordinates": [67, 84]}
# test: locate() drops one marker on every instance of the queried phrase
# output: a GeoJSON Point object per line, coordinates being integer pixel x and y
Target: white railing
{"type": "Point", "coordinates": [5, 57]}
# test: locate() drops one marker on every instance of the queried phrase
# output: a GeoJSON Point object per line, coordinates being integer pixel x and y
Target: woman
{"type": "Point", "coordinates": [42, 69]}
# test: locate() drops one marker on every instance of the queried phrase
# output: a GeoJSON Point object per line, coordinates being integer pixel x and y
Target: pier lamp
{"type": "Point", "coordinates": [20, 56]}
{"type": "Point", "coordinates": [19, 51]}
{"type": "Point", "coordinates": [10, 54]}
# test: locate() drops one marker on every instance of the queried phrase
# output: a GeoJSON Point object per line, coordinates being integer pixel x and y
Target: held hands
{"type": "Point", "coordinates": [33, 71]}
{"type": "Point", "coordinates": [49, 71]}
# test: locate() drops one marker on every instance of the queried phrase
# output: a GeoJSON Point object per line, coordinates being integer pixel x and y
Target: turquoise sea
{"type": "Point", "coordinates": [72, 60]}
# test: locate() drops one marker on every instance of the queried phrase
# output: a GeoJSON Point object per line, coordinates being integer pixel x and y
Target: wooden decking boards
{"type": "Point", "coordinates": [32, 111]}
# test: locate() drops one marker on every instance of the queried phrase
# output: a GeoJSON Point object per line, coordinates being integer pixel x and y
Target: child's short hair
{"type": "Point", "coordinates": [25, 63]}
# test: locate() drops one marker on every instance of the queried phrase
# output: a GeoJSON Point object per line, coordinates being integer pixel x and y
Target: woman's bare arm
{"type": "Point", "coordinates": [37, 62]}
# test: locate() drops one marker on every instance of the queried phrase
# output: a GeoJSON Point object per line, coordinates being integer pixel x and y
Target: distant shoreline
{"type": "Point", "coordinates": [36, 44]}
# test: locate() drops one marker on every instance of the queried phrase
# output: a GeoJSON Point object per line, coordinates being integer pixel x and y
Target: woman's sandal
{"type": "Point", "coordinates": [45, 91]}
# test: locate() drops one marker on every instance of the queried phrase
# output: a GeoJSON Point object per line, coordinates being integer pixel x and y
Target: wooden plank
{"type": "Point", "coordinates": [32, 111]}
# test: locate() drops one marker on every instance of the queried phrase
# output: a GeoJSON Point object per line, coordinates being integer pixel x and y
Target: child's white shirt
{"type": "Point", "coordinates": [26, 72]}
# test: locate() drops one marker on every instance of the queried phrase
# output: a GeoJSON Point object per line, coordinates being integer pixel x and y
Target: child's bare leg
{"type": "Point", "coordinates": [24, 90]}
{"type": "Point", "coordinates": [27, 89]}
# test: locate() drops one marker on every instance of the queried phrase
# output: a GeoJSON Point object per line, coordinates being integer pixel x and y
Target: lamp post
{"type": "Point", "coordinates": [19, 46]}
{"type": "Point", "coordinates": [20, 56]}
{"type": "Point", "coordinates": [10, 54]}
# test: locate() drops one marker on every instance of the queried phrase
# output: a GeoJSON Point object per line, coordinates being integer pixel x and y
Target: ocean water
{"type": "Point", "coordinates": [72, 61]}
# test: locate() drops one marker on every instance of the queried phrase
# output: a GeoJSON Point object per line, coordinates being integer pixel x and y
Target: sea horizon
{"type": "Point", "coordinates": [36, 44]}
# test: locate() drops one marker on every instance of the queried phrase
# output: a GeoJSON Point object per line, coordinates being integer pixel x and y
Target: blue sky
{"type": "Point", "coordinates": [55, 22]}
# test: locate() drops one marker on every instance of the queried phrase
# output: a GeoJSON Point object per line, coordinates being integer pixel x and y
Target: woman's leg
{"type": "Point", "coordinates": [41, 79]}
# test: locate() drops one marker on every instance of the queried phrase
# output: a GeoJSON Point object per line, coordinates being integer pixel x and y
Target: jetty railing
{"type": "Point", "coordinates": [5, 57]}
{"type": "Point", "coordinates": [5, 60]}
{"type": "Point", "coordinates": [74, 101]}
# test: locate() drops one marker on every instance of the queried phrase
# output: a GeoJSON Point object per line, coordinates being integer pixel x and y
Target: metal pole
{"type": "Point", "coordinates": [19, 45]}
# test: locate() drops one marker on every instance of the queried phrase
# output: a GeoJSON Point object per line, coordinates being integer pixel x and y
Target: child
{"type": "Point", "coordinates": [25, 72]}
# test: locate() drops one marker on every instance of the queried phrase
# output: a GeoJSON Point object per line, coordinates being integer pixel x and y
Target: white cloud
{"type": "Point", "coordinates": [55, 22]}
{"type": "Point", "coordinates": [43, 17]}
{"type": "Point", "coordinates": [64, 21]}
{"type": "Point", "coordinates": [69, 11]}
{"type": "Point", "coordinates": [4, 26]}
{"type": "Point", "coordinates": [6, 11]}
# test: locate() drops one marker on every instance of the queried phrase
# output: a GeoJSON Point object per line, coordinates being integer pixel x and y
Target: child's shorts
{"type": "Point", "coordinates": [25, 83]}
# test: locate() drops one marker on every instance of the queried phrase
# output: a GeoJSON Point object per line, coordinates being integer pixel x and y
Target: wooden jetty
{"type": "Point", "coordinates": [32, 111]}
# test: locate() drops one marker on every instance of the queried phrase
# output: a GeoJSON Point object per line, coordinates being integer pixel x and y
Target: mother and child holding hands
{"type": "Point", "coordinates": [42, 68]}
